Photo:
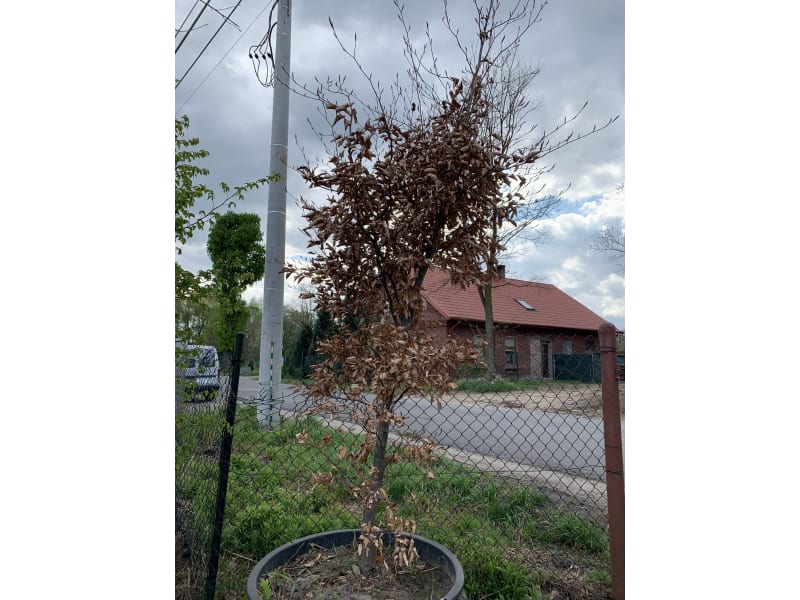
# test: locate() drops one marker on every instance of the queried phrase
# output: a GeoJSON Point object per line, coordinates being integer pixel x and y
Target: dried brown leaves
{"type": "Point", "coordinates": [404, 196]}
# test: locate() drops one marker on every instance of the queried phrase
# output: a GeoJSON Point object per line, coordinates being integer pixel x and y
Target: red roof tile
{"type": "Point", "coordinates": [551, 306]}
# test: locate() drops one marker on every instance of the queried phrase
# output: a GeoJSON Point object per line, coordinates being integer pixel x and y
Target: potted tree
{"type": "Point", "coordinates": [421, 203]}
{"type": "Point", "coordinates": [411, 185]}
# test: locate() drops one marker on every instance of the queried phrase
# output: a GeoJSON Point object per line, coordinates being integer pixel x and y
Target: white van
{"type": "Point", "coordinates": [198, 366]}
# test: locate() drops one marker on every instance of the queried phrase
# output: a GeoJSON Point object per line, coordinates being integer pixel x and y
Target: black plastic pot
{"type": "Point", "coordinates": [428, 550]}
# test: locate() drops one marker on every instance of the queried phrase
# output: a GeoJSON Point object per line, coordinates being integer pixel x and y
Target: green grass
{"type": "Point", "coordinates": [484, 385]}
{"type": "Point", "coordinates": [287, 377]}
{"type": "Point", "coordinates": [569, 530]}
{"type": "Point", "coordinates": [272, 499]}
{"type": "Point", "coordinates": [601, 575]}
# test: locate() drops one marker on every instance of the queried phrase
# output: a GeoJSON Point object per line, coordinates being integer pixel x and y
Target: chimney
{"type": "Point", "coordinates": [501, 271]}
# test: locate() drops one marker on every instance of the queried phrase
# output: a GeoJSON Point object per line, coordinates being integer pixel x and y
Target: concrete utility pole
{"type": "Point", "coordinates": [271, 359]}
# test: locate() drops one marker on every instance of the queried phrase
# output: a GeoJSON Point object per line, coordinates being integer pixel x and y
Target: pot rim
{"type": "Point", "coordinates": [428, 549]}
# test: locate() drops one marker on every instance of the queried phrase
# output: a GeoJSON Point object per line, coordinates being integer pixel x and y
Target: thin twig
{"type": "Point", "coordinates": [247, 558]}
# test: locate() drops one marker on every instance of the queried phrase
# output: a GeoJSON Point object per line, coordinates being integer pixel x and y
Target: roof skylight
{"type": "Point", "coordinates": [523, 304]}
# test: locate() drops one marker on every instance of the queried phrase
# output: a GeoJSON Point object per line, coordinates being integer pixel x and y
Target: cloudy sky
{"type": "Point", "coordinates": [579, 45]}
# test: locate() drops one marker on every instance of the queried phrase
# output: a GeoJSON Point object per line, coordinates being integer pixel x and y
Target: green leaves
{"type": "Point", "coordinates": [236, 251]}
{"type": "Point", "coordinates": [187, 192]}
{"type": "Point", "coordinates": [237, 258]}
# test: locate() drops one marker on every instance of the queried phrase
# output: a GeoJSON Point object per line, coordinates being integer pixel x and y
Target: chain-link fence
{"type": "Point", "coordinates": [517, 489]}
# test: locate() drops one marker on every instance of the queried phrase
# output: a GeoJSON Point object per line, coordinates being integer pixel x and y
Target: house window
{"type": "Point", "coordinates": [567, 349]}
{"type": "Point", "coordinates": [511, 351]}
{"type": "Point", "coordinates": [589, 346]}
{"type": "Point", "coordinates": [524, 304]}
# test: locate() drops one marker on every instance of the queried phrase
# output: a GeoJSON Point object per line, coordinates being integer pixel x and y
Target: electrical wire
{"type": "Point", "coordinates": [188, 31]}
{"type": "Point", "coordinates": [265, 54]}
{"type": "Point", "coordinates": [221, 25]}
{"type": "Point", "coordinates": [224, 17]}
{"type": "Point", "coordinates": [186, 18]}
{"type": "Point", "coordinates": [258, 16]}
{"type": "Point", "coordinates": [208, 4]}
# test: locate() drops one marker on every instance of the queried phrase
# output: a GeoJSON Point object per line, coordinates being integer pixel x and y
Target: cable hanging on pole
{"type": "Point", "coordinates": [263, 51]}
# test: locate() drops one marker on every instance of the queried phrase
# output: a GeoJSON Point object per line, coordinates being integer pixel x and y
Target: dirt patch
{"type": "Point", "coordinates": [188, 578]}
{"type": "Point", "coordinates": [334, 574]}
{"type": "Point", "coordinates": [581, 399]}
{"type": "Point", "coordinates": [564, 576]}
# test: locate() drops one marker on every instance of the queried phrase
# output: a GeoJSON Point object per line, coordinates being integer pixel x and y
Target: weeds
{"type": "Point", "coordinates": [570, 530]}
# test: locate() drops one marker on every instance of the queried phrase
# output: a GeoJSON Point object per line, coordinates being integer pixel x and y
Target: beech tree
{"type": "Point", "coordinates": [415, 182]}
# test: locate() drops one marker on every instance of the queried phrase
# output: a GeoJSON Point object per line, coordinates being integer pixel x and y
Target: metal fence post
{"type": "Point", "coordinates": [615, 479]}
{"type": "Point", "coordinates": [224, 466]}
{"type": "Point", "coordinates": [271, 370]}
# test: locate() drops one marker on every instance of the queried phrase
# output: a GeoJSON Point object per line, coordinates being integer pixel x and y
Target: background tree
{"type": "Point", "coordinates": [251, 349]}
{"type": "Point", "coordinates": [611, 236]}
{"type": "Point", "coordinates": [189, 217]}
{"type": "Point", "coordinates": [507, 122]}
{"type": "Point", "coordinates": [297, 325]}
{"type": "Point", "coordinates": [303, 329]}
{"type": "Point", "coordinates": [194, 317]}
{"type": "Point", "coordinates": [236, 250]}
{"type": "Point", "coordinates": [324, 328]}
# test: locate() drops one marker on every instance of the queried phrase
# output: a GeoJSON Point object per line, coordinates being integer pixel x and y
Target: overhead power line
{"type": "Point", "coordinates": [186, 18]}
{"type": "Point", "coordinates": [219, 62]}
{"type": "Point", "coordinates": [206, 4]}
{"type": "Point", "coordinates": [221, 25]}
{"type": "Point", "coordinates": [188, 31]}
{"type": "Point", "coordinates": [224, 17]}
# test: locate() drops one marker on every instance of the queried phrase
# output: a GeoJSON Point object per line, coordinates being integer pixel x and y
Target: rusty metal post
{"type": "Point", "coordinates": [615, 479]}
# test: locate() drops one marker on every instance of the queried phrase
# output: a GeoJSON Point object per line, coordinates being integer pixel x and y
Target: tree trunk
{"type": "Point", "coordinates": [369, 555]}
{"type": "Point", "coordinates": [489, 327]}
{"type": "Point", "coordinates": [485, 294]}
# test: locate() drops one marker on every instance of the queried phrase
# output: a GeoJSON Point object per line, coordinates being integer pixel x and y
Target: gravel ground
{"type": "Point", "coordinates": [582, 399]}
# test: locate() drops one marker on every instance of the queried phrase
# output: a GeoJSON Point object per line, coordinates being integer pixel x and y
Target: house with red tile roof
{"type": "Point", "coordinates": [539, 330]}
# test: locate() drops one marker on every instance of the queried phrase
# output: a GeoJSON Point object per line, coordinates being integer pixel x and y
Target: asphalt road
{"type": "Point", "coordinates": [556, 442]}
